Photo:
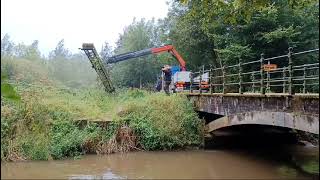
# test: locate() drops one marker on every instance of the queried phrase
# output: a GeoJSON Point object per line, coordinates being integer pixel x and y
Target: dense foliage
{"type": "Point", "coordinates": [47, 122]}
{"type": "Point", "coordinates": [220, 32]}
{"type": "Point", "coordinates": [158, 125]}
{"type": "Point", "coordinates": [211, 32]}
{"type": "Point", "coordinates": [38, 131]}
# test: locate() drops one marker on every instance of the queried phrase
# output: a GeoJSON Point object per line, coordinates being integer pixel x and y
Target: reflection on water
{"type": "Point", "coordinates": [306, 159]}
{"type": "Point", "coordinates": [199, 164]}
{"type": "Point", "coordinates": [108, 175]}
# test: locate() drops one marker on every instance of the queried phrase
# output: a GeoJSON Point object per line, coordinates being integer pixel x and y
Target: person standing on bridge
{"type": "Point", "coordinates": [167, 78]}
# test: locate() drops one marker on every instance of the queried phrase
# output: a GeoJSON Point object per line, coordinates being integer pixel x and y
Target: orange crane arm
{"type": "Point", "coordinates": [173, 51]}
{"type": "Point", "coordinates": [166, 48]}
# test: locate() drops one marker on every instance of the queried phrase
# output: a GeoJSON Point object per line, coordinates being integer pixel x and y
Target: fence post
{"type": "Point", "coordinates": [253, 82]}
{"type": "Point", "coordinates": [262, 89]}
{"type": "Point", "coordinates": [290, 81]}
{"type": "Point", "coordinates": [268, 79]}
{"type": "Point", "coordinates": [210, 78]}
{"type": "Point", "coordinates": [223, 79]}
{"type": "Point", "coordinates": [284, 80]}
{"type": "Point", "coordinates": [200, 80]}
{"type": "Point", "coordinates": [240, 76]}
{"type": "Point", "coordinates": [191, 82]}
{"type": "Point", "coordinates": [304, 79]}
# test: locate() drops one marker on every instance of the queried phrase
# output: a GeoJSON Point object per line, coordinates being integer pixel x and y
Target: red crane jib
{"type": "Point", "coordinates": [135, 54]}
{"type": "Point", "coordinates": [173, 51]}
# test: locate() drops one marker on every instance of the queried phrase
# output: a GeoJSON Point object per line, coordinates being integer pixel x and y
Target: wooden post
{"type": "Point", "coordinates": [284, 80]}
{"type": "Point", "coordinates": [262, 89]}
{"type": "Point", "coordinates": [290, 81]}
{"type": "Point", "coordinates": [240, 77]}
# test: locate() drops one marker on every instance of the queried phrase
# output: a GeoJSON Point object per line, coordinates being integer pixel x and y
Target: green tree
{"type": "Point", "coordinates": [7, 46]}
{"type": "Point", "coordinates": [20, 50]}
{"type": "Point", "coordinates": [189, 39]}
{"type": "Point", "coordinates": [33, 51]}
{"type": "Point", "coordinates": [30, 52]}
{"type": "Point", "coordinates": [206, 30]}
{"type": "Point", "coordinates": [106, 51]}
{"type": "Point", "coordinates": [60, 52]}
{"type": "Point", "coordinates": [141, 71]}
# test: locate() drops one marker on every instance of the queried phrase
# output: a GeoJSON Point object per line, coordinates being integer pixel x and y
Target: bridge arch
{"type": "Point", "coordinates": [303, 122]}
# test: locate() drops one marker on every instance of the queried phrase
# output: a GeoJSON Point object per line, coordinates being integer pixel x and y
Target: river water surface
{"type": "Point", "coordinates": [191, 164]}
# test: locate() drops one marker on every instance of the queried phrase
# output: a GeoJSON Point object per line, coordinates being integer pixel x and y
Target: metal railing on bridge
{"type": "Point", "coordinates": [280, 74]}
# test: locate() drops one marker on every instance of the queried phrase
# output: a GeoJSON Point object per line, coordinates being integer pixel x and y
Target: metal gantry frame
{"type": "Point", "coordinates": [98, 65]}
{"type": "Point", "coordinates": [289, 78]}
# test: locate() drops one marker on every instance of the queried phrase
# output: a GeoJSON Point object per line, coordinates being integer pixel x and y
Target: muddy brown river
{"type": "Point", "coordinates": [192, 164]}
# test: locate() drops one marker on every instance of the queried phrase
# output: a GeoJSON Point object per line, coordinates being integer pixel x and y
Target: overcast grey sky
{"type": "Point", "coordinates": [76, 21]}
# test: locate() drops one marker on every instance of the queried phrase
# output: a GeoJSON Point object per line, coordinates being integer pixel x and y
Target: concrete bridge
{"type": "Point", "coordinates": [286, 92]}
{"type": "Point", "coordinates": [299, 111]}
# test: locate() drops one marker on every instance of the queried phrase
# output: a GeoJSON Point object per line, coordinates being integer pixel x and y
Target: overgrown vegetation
{"type": "Point", "coordinates": [34, 130]}
{"type": "Point", "coordinates": [46, 122]}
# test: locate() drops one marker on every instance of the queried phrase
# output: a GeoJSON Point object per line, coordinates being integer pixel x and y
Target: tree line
{"type": "Point", "coordinates": [213, 32]}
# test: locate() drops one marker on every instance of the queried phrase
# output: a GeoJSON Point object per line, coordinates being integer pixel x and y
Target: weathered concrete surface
{"type": "Point", "coordinates": [234, 104]}
{"type": "Point", "coordinates": [306, 123]}
{"type": "Point", "coordinates": [298, 112]}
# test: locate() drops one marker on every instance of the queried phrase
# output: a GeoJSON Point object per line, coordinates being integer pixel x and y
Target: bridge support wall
{"type": "Point", "coordinates": [297, 112]}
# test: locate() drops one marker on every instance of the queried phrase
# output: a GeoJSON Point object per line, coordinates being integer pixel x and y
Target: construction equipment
{"type": "Point", "coordinates": [166, 48]}
{"type": "Point", "coordinates": [98, 65]}
{"type": "Point", "coordinates": [103, 73]}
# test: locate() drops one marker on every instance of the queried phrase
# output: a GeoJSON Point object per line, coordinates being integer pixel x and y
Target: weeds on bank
{"type": "Point", "coordinates": [44, 124]}
{"type": "Point", "coordinates": [147, 121]}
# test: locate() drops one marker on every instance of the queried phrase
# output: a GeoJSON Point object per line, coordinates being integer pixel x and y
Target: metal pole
{"type": "Point", "coordinates": [240, 77]}
{"type": "Point", "coordinates": [284, 80]}
{"type": "Point", "coordinates": [200, 81]}
{"type": "Point", "coordinates": [268, 79]}
{"type": "Point", "coordinates": [262, 89]}
{"type": "Point", "coordinates": [253, 82]}
{"type": "Point", "coordinates": [304, 79]}
{"type": "Point", "coordinates": [290, 88]}
{"type": "Point", "coordinates": [223, 79]}
{"type": "Point", "coordinates": [210, 79]}
{"type": "Point", "coordinates": [191, 82]}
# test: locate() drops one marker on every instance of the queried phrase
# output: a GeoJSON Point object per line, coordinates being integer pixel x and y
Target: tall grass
{"type": "Point", "coordinates": [44, 124]}
{"type": "Point", "coordinates": [152, 121]}
{"type": "Point", "coordinates": [162, 122]}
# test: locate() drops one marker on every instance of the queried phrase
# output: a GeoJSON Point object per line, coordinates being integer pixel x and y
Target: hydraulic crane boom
{"type": "Point", "coordinates": [103, 72]}
{"type": "Point", "coordinates": [166, 48]}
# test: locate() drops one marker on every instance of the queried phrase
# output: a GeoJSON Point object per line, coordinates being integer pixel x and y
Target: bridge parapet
{"type": "Point", "coordinates": [289, 73]}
